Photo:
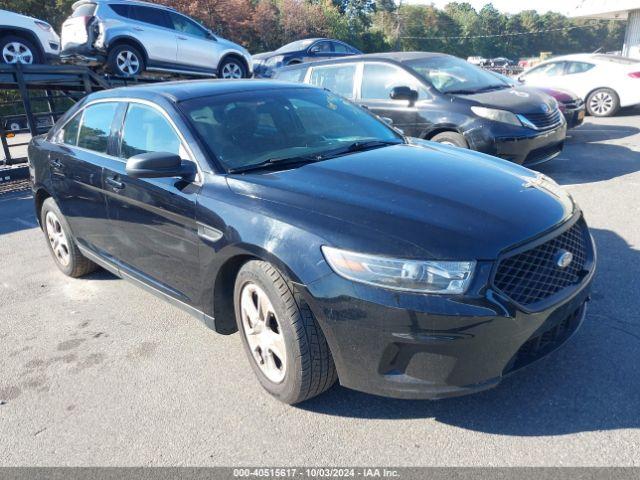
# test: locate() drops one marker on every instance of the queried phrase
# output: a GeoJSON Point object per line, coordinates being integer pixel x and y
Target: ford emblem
{"type": "Point", "coordinates": [564, 258]}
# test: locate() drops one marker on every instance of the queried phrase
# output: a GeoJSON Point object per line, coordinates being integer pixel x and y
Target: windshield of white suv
{"type": "Point", "coordinates": [247, 129]}
{"type": "Point", "coordinates": [454, 75]}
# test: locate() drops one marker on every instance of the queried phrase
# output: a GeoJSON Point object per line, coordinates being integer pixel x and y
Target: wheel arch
{"type": "Point", "coordinates": [237, 56]}
{"type": "Point", "coordinates": [127, 40]}
{"type": "Point", "coordinates": [23, 32]}
{"type": "Point", "coordinates": [221, 291]}
{"type": "Point", "coordinates": [440, 128]}
{"type": "Point", "coordinates": [39, 196]}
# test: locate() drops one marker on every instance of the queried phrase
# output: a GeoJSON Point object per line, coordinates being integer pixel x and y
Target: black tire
{"type": "Point", "coordinates": [232, 64]}
{"type": "Point", "coordinates": [309, 366]}
{"type": "Point", "coordinates": [7, 40]}
{"type": "Point", "coordinates": [77, 265]}
{"type": "Point", "coordinates": [603, 102]}
{"type": "Point", "coordinates": [451, 138]}
{"type": "Point", "coordinates": [125, 51]}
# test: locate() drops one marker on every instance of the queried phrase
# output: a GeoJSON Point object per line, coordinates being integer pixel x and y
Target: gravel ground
{"type": "Point", "coordinates": [98, 372]}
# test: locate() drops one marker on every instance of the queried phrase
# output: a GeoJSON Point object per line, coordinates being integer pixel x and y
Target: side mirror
{"type": "Point", "coordinates": [520, 79]}
{"type": "Point", "coordinates": [158, 165]}
{"type": "Point", "coordinates": [314, 50]}
{"type": "Point", "coordinates": [404, 93]}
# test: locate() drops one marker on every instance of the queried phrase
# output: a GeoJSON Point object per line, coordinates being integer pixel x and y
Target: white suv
{"type": "Point", "coordinates": [26, 40]}
{"type": "Point", "coordinates": [133, 36]}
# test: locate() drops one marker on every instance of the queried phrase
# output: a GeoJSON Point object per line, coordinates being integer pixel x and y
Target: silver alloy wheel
{"type": "Point", "coordinates": [263, 332]}
{"type": "Point", "coordinates": [446, 142]}
{"type": "Point", "coordinates": [57, 238]}
{"type": "Point", "coordinates": [231, 70]}
{"type": "Point", "coordinates": [16, 52]}
{"type": "Point", "coordinates": [128, 62]}
{"type": "Point", "coordinates": [601, 103]}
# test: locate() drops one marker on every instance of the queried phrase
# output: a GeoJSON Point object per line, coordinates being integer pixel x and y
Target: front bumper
{"type": "Point", "coordinates": [518, 144]}
{"type": "Point", "coordinates": [428, 346]}
{"type": "Point", "coordinates": [574, 117]}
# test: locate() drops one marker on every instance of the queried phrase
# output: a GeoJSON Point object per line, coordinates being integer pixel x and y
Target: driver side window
{"type": "Point", "coordinates": [147, 130]}
{"type": "Point", "coordinates": [378, 79]}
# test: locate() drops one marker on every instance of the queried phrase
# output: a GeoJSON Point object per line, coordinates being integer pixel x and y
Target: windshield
{"type": "Point", "coordinates": [295, 46]}
{"type": "Point", "coordinates": [250, 128]}
{"type": "Point", "coordinates": [454, 75]}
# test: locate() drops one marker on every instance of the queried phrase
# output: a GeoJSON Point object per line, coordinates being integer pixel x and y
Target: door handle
{"type": "Point", "coordinates": [116, 185]}
{"type": "Point", "coordinates": [138, 29]}
{"type": "Point", "coordinates": [182, 38]}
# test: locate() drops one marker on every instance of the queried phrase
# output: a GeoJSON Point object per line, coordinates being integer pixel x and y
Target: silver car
{"type": "Point", "coordinates": [132, 36]}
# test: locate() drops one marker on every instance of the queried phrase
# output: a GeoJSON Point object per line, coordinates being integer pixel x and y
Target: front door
{"type": "Point", "coordinates": [154, 232]}
{"type": "Point", "coordinates": [196, 46]}
{"type": "Point", "coordinates": [378, 79]}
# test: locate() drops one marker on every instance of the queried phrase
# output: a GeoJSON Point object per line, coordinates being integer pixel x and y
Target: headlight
{"type": "Point", "coordinates": [497, 115]}
{"type": "Point", "coordinates": [274, 60]}
{"type": "Point", "coordinates": [397, 274]}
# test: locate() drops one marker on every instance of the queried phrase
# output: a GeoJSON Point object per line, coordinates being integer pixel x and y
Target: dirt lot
{"type": "Point", "coordinates": [98, 372]}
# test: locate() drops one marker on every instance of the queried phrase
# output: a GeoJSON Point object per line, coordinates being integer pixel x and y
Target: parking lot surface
{"type": "Point", "coordinates": [96, 371]}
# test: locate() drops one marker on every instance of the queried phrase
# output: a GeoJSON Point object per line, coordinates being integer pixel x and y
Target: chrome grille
{"type": "Point", "coordinates": [533, 275]}
{"type": "Point", "coordinates": [543, 121]}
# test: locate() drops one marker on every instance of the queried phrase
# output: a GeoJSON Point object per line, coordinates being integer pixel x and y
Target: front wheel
{"type": "Point", "coordinates": [232, 68]}
{"type": "Point", "coordinates": [603, 102]}
{"type": "Point", "coordinates": [286, 348]}
{"type": "Point", "coordinates": [14, 49]}
{"type": "Point", "coordinates": [451, 138]}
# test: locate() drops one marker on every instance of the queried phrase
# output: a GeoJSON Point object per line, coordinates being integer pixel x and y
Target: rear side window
{"type": "Point", "coordinates": [337, 78]}
{"type": "Point", "coordinates": [84, 10]}
{"type": "Point", "coordinates": [96, 126]}
{"type": "Point", "coordinates": [340, 48]}
{"type": "Point", "coordinates": [578, 67]}
{"type": "Point", "coordinates": [150, 15]}
{"type": "Point", "coordinates": [147, 130]}
{"type": "Point", "coordinates": [295, 75]}
{"type": "Point", "coordinates": [120, 9]}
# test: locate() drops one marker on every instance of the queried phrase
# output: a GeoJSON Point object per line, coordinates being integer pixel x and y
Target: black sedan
{"type": "Point", "coordinates": [298, 52]}
{"type": "Point", "coordinates": [337, 248]}
{"type": "Point", "coordinates": [439, 97]}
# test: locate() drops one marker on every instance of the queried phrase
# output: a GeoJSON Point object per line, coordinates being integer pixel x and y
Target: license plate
{"type": "Point", "coordinates": [581, 115]}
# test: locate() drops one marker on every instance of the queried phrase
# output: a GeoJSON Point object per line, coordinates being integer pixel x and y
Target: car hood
{"type": "Point", "coordinates": [413, 201]}
{"type": "Point", "coordinates": [515, 99]}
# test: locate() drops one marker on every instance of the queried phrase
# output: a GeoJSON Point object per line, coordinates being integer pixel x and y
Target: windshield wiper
{"type": "Point", "coordinates": [270, 162]}
{"type": "Point", "coordinates": [461, 92]}
{"type": "Point", "coordinates": [362, 145]}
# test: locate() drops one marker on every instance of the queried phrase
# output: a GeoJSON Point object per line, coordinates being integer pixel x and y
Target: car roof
{"type": "Point", "coordinates": [394, 57]}
{"type": "Point", "coordinates": [128, 2]}
{"type": "Point", "coordinates": [189, 89]}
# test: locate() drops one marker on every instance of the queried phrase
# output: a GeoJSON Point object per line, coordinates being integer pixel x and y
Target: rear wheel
{"type": "Point", "coordinates": [125, 60]}
{"type": "Point", "coordinates": [603, 102]}
{"type": "Point", "coordinates": [232, 68]}
{"type": "Point", "coordinates": [286, 348]}
{"type": "Point", "coordinates": [14, 49]}
{"type": "Point", "coordinates": [61, 243]}
{"type": "Point", "coordinates": [451, 138]}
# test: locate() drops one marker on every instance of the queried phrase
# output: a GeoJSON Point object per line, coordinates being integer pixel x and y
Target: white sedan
{"type": "Point", "coordinates": [605, 82]}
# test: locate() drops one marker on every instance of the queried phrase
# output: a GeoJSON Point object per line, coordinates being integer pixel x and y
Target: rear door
{"type": "Point", "coordinates": [153, 227]}
{"type": "Point", "coordinates": [376, 83]}
{"type": "Point", "coordinates": [153, 28]}
{"type": "Point", "coordinates": [79, 151]}
{"type": "Point", "coordinates": [196, 46]}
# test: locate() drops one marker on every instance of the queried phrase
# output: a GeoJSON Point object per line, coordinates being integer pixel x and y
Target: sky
{"type": "Point", "coordinates": [511, 6]}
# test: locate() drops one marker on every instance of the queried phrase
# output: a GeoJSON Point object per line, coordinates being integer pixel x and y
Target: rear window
{"type": "Point", "coordinates": [84, 10]}
{"type": "Point", "coordinates": [616, 59]}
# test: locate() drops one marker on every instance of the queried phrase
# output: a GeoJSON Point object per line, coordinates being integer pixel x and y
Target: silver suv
{"type": "Point", "coordinates": [133, 36]}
